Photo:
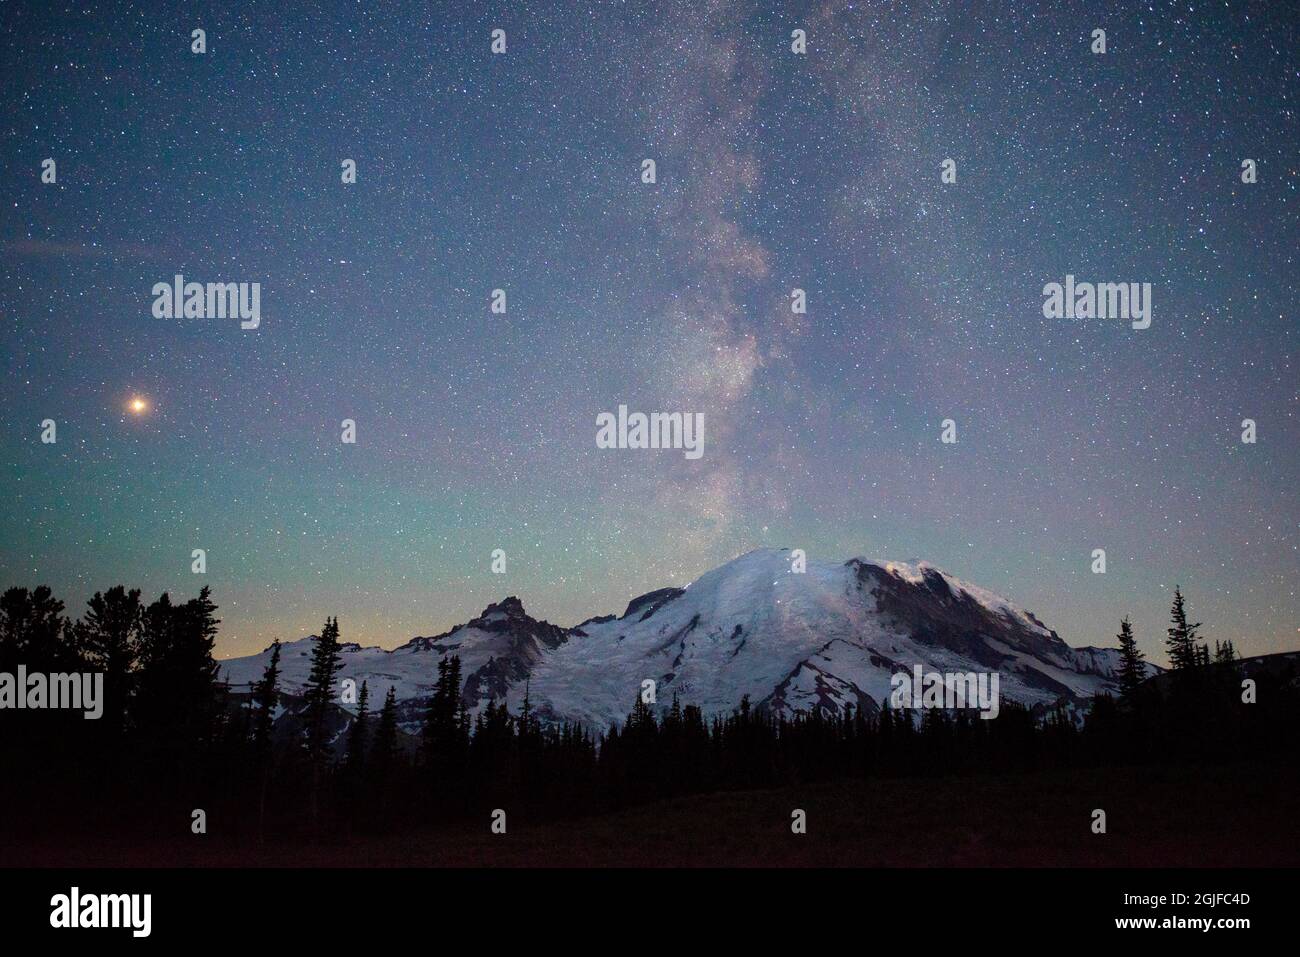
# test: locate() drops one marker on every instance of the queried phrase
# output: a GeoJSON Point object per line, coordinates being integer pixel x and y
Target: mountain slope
{"type": "Point", "coordinates": [830, 636]}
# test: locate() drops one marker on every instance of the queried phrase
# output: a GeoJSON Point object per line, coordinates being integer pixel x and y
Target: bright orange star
{"type": "Point", "coordinates": [138, 405]}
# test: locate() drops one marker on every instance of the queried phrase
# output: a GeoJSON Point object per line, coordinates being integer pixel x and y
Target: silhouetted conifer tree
{"type": "Point", "coordinates": [34, 632]}
{"type": "Point", "coordinates": [109, 636]}
{"type": "Point", "coordinates": [446, 732]}
{"type": "Point", "coordinates": [176, 704]}
{"type": "Point", "coordinates": [1181, 640]}
{"type": "Point", "coordinates": [357, 735]}
{"type": "Point", "coordinates": [1132, 668]}
{"type": "Point", "coordinates": [319, 695]}
{"type": "Point", "coordinates": [264, 696]}
{"type": "Point", "coordinates": [319, 692]}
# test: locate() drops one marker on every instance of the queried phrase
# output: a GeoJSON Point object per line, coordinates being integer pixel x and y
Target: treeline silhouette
{"type": "Point", "coordinates": [264, 764]}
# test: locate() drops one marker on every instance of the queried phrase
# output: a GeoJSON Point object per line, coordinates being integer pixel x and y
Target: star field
{"type": "Point", "coordinates": [521, 171]}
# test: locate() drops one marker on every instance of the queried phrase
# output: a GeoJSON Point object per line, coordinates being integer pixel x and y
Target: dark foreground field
{"type": "Point", "coordinates": [1244, 815]}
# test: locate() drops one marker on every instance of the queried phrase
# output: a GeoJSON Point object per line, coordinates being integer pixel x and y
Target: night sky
{"type": "Point", "coordinates": [522, 171]}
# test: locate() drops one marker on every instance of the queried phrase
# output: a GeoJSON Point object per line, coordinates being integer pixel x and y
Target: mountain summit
{"type": "Point", "coordinates": [830, 636]}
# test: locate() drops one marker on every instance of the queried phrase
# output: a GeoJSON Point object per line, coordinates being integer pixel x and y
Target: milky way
{"type": "Point", "coordinates": [775, 171]}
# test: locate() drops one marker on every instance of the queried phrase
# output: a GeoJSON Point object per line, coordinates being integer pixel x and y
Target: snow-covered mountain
{"type": "Point", "coordinates": [792, 641]}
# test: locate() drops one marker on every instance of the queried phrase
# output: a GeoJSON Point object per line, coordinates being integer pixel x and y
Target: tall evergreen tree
{"type": "Point", "coordinates": [382, 772]}
{"type": "Point", "coordinates": [384, 749]}
{"type": "Point", "coordinates": [446, 726]}
{"type": "Point", "coordinates": [1181, 640]}
{"type": "Point", "coordinates": [357, 735]}
{"type": "Point", "coordinates": [265, 694]}
{"type": "Point", "coordinates": [109, 637]}
{"type": "Point", "coordinates": [34, 631]}
{"type": "Point", "coordinates": [642, 719]}
{"type": "Point", "coordinates": [177, 692]}
{"type": "Point", "coordinates": [319, 692]}
{"type": "Point", "coordinates": [1132, 668]}
{"type": "Point", "coordinates": [319, 695]}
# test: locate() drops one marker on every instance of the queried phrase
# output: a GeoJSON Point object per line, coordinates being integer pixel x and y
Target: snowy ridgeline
{"type": "Point", "coordinates": [824, 637]}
